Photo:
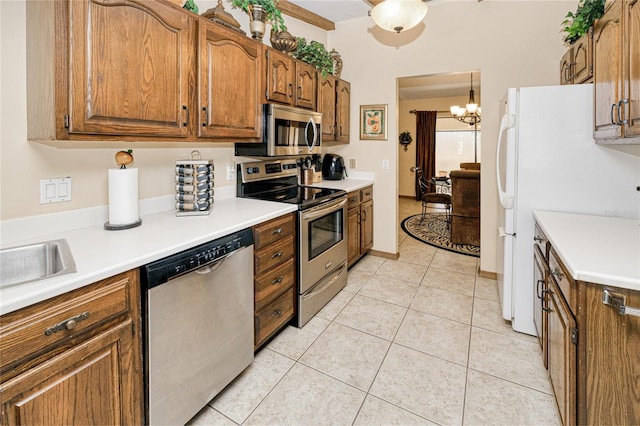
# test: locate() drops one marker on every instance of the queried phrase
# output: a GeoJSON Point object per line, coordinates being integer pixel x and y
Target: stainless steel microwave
{"type": "Point", "coordinates": [287, 131]}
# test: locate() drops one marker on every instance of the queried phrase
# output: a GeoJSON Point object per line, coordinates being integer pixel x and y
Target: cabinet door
{"type": "Point", "coordinates": [582, 64]}
{"type": "Point", "coordinates": [561, 353]}
{"type": "Point", "coordinates": [327, 106]}
{"type": "Point", "coordinates": [539, 305]}
{"type": "Point", "coordinates": [353, 234]}
{"type": "Point", "coordinates": [280, 77]}
{"type": "Point", "coordinates": [632, 82]}
{"type": "Point", "coordinates": [131, 69]}
{"type": "Point", "coordinates": [91, 383]}
{"type": "Point", "coordinates": [565, 67]}
{"type": "Point", "coordinates": [607, 72]}
{"type": "Point", "coordinates": [366, 222]}
{"type": "Point", "coordinates": [612, 355]}
{"type": "Point", "coordinates": [343, 102]}
{"type": "Point", "coordinates": [306, 85]}
{"type": "Point", "coordinates": [230, 68]}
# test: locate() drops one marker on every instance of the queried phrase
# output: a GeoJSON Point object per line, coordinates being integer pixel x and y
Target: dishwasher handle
{"type": "Point", "coordinates": [213, 266]}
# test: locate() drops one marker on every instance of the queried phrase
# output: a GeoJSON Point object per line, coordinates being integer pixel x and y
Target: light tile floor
{"type": "Point", "coordinates": [418, 340]}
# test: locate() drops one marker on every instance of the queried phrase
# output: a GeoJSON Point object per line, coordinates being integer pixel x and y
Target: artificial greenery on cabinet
{"type": "Point", "coordinates": [577, 24]}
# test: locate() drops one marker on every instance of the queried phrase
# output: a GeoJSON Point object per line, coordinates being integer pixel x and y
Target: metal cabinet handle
{"type": "Point", "coordinates": [277, 280]}
{"type": "Point", "coordinates": [611, 112]}
{"type": "Point", "coordinates": [276, 231]}
{"type": "Point", "coordinates": [69, 324]}
{"type": "Point", "coordinates": [277, 313]}
{"type": "Point", "coordinates": [620, 107]}
{"type": "Point", "coordinates": [538, 294]}
{"type": "Point", "coordinates": [543, 293]}
{"type": "Point", "coordinates": [538, 239]}
{"type": "Point", "coordinates": [290, 90]}
{"type": "Point", "coordinates": [205, 118]}
{"type": "Point", "coordinates": [186, 115]}
{"type": "Point", "coordinates": [618, 301]}
{"type": "Point", "coordinates": [557, 273]}
{"type": "Point", "coordinates": [278, 254]}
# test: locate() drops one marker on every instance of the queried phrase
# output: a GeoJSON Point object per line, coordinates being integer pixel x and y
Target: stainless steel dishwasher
{"type": "Point", "coordinates": [198, 325]}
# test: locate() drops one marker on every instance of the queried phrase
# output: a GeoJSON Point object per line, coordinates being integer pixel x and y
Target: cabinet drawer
{"type": "Point", "coordinates": [273, 230]}
{"type": "Point", "coordinates": [273, 255]}
{"type": "Point", "coordinates": [353, 199]}
{"type": "Point", "coordinates": [272, 283]}
{"type": "Point", "coordinates": [31, 330]}
{"type": "Point", "coordinates": [566, 284]}
{"type": "Point", "coordinates": [366, 194]}
{"type": "Point", "coordinates": [273, 316]}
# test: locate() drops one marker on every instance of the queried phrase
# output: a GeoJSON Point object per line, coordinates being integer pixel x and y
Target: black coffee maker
{"type": "Point", "coordinates": [333, 167]}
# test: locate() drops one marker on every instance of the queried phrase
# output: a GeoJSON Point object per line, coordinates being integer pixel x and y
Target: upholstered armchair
{"type": "Point", "coordinates": [465, 211]}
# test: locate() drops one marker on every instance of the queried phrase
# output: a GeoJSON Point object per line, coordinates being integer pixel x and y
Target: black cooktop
{"type": "Point", "coordinates": [303, 196]}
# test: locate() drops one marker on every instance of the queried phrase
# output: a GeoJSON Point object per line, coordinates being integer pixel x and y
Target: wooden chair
{"type": "Point", "coordinates": [428, 195]}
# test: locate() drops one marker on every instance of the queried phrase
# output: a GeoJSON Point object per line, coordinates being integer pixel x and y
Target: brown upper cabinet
{"type": "Point", "coordinates": [230, 84]}
{"type": "Point", "coordinates": [334, 102]}
{"type": "Point", "coordinates": [138, 70]}
{"type": "Point", "coordinates": [576, 66]}
{"type": "Point", "coordinates": [616, 40]}
{"type": "Point", "coordinates": [290, 81]}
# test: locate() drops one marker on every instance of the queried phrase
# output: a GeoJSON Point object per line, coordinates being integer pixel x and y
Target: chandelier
{"type": "Point", "coordinates": [398, 15]}
{"type": "Point", "coordinates": [470, 114]}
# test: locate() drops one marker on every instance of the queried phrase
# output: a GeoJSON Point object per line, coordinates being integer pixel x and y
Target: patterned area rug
{"type": "Point", "coordinates": [434, 231]}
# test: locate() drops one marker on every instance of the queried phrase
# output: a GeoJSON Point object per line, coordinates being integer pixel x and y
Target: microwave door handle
{"type": "Point", "coordinates": [306, 134]}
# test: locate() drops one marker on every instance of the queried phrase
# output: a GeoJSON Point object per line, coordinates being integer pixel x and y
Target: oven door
{"type": "Point", "coordinates": [323, 241]}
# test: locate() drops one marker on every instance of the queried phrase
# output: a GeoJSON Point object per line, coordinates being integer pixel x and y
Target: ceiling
{"type": "Point", "coordinates": [421, 87]}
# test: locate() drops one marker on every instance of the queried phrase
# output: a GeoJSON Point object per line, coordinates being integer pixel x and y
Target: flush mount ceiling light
{"type": "Point", "coordinates": [398, 15]}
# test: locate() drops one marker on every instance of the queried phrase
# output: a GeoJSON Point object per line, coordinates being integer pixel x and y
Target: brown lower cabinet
{"type": "Point", "coordinates": [592, 350]}
{"type": "Point", "coordinates": [75, 358]}
{"type": "Point", "coordinates": [359, 223]}
{"type": "Point", "coordinates": [275, 276]}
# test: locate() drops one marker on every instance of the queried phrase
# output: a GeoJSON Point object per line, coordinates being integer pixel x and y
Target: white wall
{"type": "Point", "coordinates": [512, 43]}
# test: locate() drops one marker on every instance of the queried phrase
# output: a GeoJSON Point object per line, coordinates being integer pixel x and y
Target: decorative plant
{"type": "Point", "coordinates": [274, 16]}
{"type": "Point", "coordinates": [191, 6]}
{"type": "Point", "coordinates": [316, 54]}
{"type": "Point", "coordinates": [577, 24]}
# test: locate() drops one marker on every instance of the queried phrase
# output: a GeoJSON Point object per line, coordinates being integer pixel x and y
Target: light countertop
{"type": "Point", "coordinates": [100, 254]}
{"type": "Point", "coordinates": [345, 184]}
{"type": "Point", "coordinates": [597, 249]}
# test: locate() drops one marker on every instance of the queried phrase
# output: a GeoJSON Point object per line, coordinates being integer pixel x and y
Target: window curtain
{"type": "Point", "coordinates": [425, 145]}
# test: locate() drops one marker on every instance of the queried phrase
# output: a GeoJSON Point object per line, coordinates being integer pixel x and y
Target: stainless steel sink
{"type": "Point", "coordinates": [33, 262]}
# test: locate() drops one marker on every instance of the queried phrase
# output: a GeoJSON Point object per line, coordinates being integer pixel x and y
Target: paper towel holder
{"type": "Point", "coordinates": [123, 158]}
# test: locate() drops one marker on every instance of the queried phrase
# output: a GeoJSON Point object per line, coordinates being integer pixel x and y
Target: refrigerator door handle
{"type": "Point", "coordinates": [502, 233]}
{"type": "Point", "coordinates": [507, 121]}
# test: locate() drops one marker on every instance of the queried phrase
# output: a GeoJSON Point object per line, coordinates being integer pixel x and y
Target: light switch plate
{"type": "Point", "coordinates": [55, 190]}
{"type": "Point", "coordinates": [385, 164]}
{"type": "Point", "coordinates": [352, 163]}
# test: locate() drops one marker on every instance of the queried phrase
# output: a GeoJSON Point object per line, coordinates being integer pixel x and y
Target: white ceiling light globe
{"type": "Point", "coordinates": [398, 15]}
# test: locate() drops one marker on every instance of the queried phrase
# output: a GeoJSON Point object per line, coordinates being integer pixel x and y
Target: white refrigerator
{"type": "Point", "coordinates": [546, 159]}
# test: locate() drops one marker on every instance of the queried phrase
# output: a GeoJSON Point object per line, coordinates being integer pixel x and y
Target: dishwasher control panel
{"type": "Point", "coordinates": [173, 266]}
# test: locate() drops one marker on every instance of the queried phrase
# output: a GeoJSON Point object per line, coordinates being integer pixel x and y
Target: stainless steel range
{"type": "Point", "coordinates": [322, 228]}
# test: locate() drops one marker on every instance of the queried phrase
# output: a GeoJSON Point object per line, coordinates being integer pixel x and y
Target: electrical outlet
{"type": "Point", "coordinates": [55, 190]}
{"type": "Point", "coordinates": [231, 173]}
{"type": "Point", "coordinates": [385, 164]}
{"type": "Point", "coordinates": [352, 163]}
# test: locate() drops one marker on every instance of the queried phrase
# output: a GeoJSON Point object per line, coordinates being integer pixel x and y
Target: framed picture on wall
{"type": "Point", "coordinates": [373, 122]}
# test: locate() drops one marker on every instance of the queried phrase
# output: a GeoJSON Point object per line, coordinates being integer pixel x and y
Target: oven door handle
{"type": "Point", "coordinates": [324, 209]}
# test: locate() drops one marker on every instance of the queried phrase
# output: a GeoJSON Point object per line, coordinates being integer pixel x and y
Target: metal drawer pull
{"type": "Point", "coordinates": [557, 273]}
{"type": "Point", "coordinates": [277, 231]}
{"type": "Point", "coordinates": [69, 324]}
{"type": "Point", "coordinates": [538, 239]}
{"type": "Point", "coordinates": [618, 301]}
{"type": "Point", "coordinates": [277, 313]}
{"type": "Point", "coordinates": [278, 254]}
{"type": "Point", "coordinates": [277, 280]}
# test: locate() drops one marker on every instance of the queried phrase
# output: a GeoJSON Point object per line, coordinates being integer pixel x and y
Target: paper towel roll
{"type": "Point", "coordinates": [123, 196]}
